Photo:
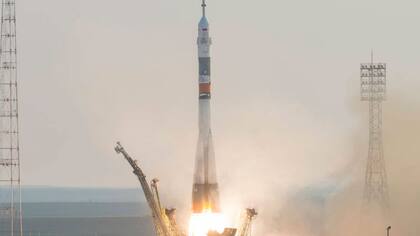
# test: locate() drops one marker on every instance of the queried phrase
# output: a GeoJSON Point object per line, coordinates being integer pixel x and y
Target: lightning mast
{"type": "Point", "coordinates": [10, 190]}
{"type": "Point", "coordinates": [373, 90]}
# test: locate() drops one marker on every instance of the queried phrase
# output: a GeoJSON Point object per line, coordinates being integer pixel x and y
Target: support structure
{"type": "Point", "coordinates": [163, 219]}
{"type": "Point", "coordinates": [373, 90]}
{"type": "Point", "coordinates": [10, 191]}
{"type": "Point", "coordinates": [245, 228]}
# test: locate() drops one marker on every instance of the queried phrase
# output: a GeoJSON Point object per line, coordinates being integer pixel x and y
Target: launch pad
{"type": "Point", "coordinates": [226, 232]}
{"type": "Point", "coordinates": [164, 219]}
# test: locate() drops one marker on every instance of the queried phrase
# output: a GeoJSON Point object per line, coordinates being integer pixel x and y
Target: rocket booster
{"type": "Point", "coordinates": [205, 195]}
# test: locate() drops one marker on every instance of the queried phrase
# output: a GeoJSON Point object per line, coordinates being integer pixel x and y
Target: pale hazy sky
{"type": "Point", "coordinates": [285, 85]}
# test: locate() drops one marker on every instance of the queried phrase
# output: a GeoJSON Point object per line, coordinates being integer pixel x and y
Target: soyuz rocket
{"type": "Point", "coordinates": [205, 194]}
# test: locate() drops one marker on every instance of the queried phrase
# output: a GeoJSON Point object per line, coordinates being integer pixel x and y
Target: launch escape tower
{"type": "Point", "coordinates": [373, 90]}
{"type": "Point", "coordinates": [10, 192]}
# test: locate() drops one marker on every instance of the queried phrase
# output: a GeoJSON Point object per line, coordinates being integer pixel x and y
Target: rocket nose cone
{"type": "Point", "coordinates": [204, 24]}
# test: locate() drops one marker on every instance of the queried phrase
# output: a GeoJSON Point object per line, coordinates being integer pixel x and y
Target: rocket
{"type": "Point", "coordinates": [205, 194]}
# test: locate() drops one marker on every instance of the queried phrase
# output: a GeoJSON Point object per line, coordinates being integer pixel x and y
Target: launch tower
{"type": "Point", "coordinates": [205, 195]}
{"type": "Point", "coordinates": [373, 90]}
{"type": "Point", "coordinates": [10, 192]}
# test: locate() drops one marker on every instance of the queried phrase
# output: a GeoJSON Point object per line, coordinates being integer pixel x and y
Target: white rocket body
{"type": "Point", "coordinates": [205, 193]}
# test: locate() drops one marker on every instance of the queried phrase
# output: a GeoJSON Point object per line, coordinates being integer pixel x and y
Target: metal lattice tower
{"type": "Point", "coordinates": [373, 90]}
{"type": "Point", "coordinates": [10, 189]}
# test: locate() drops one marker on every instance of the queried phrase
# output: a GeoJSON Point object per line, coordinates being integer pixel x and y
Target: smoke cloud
{"type": "Point", "coordinates": [331, 204]}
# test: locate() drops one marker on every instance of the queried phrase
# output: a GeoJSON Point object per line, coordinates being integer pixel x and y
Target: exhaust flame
{"type": "Point", "coordinates": [202, 223]}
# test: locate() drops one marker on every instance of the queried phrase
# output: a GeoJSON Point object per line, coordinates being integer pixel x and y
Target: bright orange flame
{"type": "Point", "coordinates": [202, 223]}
